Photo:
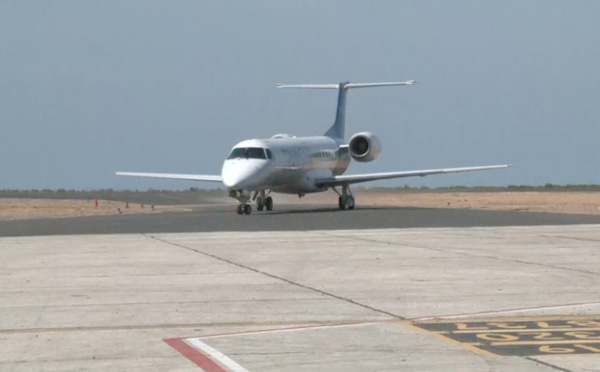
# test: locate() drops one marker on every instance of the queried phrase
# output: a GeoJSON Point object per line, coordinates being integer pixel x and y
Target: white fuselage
{"type": "Point", "coordinates": [289, 165]}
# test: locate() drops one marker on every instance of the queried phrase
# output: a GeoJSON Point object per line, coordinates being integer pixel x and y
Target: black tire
{"type": "Point", "coordinates": [260, 204]}
{"type": "Point", "coordinates": [269, 203]}
{"type": "Point", "coordinates": [341, 203]}
{"type": "Point", "coordinates": [240, 209]}
{"type": "Point", "coordinates": [350, 202]}
{"type": "Point", "coordinates": [247, 209]}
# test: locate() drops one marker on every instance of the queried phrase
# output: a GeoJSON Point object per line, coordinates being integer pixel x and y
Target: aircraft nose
{"type": "Point", "coordinates": [239, 175]}
{"type": "Point", "coordinates": [233, 180]}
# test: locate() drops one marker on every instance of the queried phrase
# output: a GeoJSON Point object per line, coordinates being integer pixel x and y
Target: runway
{"type": "Point", "coordinates": [286, 217]}
{"type": "Point", "coordinates": [430, 292]}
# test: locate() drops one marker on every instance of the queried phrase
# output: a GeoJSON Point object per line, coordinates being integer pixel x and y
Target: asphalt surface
{"type": "Point", "coordinates": [291, 217]}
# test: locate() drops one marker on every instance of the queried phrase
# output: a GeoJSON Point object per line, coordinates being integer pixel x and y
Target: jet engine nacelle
{"type": "Point", "coordinates": [364, 147]}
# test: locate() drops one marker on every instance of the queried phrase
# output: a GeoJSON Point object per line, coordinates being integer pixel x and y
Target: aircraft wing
{"type": "Point", "coordinates": [348, 179]}
{"type": "Point", "coordinates": [191, 177]}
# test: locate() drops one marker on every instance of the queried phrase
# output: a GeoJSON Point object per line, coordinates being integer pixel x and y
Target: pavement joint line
{"type": "Point", "coordinates": [290, 329]}
{"type": "Point", "coordinates": [160, 303]}
{"type": "Point", "coordinates": [464, 254]}
{"type": "Point", "coordinates": [143, 327]}
{"type": "Point", "coordinates": [325, 293]}
{"type": "Point", "coordinates": [503, 311]}
{"type": "Point", "coordinates": [547, 364]}
{"type": "Point", "coordinates": [572, 238]}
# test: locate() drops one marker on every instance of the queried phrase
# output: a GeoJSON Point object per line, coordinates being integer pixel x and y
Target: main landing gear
{"type": "Point", "coordinates": [263, 200]}
{"type": "Point", "coordinates": [345, 200]}
{"type": "Point", "coordinates": [262, 203]}
{"type": "Point", "coordinates": [244, 209]}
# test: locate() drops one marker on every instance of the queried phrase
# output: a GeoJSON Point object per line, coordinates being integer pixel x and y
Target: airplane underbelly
{"type": "Point", "coordinates": [297, 182]}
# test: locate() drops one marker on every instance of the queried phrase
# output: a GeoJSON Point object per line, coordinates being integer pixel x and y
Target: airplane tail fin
{"type": "Point", "coordinates": [338, 128]}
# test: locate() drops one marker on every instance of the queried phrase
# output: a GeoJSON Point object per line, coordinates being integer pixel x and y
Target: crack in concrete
{"type": "Point", "coordinates": [296, 284]}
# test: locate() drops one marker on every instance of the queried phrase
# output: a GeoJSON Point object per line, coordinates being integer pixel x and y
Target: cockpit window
{"type": "Point", "coordinates": [248, 153]}
{"type": "Point", "coordinates": [269, 154]}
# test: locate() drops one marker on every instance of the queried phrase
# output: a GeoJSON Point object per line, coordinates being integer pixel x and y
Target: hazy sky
{"type": "Point", "coordinates": [90, 87]}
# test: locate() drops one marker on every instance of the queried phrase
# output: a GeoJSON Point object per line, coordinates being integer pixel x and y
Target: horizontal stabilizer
{"type": "Point", "coordinates": [191, 177]}
{"type": "Point", "coordinates": [346, 85]}
{"type": "Point", "coordinates": [338, 128]}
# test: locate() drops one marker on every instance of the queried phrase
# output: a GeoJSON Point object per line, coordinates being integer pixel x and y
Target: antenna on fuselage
{"type": "Point", "coordinates": [338, 128]}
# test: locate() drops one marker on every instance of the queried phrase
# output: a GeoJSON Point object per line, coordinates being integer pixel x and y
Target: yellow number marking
{"type": "Point", "coordinates": [547, 336]}
{"type": "Point", "coordinates": [546, 325]}
{"type": "Point", "coordinates": [507, 325]}
{"type": "Point", "coordinates": [584, 323]}
{"type": "Point", "coordinates": [497, 337]}
{"type": "Point", "coordinates": [465, 326]}
{"type": "Point", "coordinates": [555, 350]}
{"type": "Point", "coordinates": [584, 335]}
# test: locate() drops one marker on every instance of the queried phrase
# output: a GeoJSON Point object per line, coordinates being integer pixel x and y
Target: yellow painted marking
{"type": "Point", "coordinates": [584, 323]}
{"type": "Point", "coordinates": [550, 334]}
{"type": "Point", "coordinates": [555, 350]}
{"type": "Point", "coordinates": [465, 327]}
{"type": "Point", "coordinates": [507, 325]}
{"type": "Point", "coordinates": [528, 330]}
{"type": "Point", "coordinates": [441, 337]}
{"type": "Point", "coordinates": [497, 337]}
{"type": "Point", "coordinates": [547, 336]}
{"type": "Point", "coordinates": [571, 319]}
{"type": "Point", "coordinates": [583, 335]}
{"type": "Point", "coordinates": [587, 347]}
{"type": "Point", "coordinates": [558, 342]}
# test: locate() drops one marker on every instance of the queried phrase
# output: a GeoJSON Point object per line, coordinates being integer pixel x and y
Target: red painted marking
{"type": "Point", "coordinates": [194, 355]}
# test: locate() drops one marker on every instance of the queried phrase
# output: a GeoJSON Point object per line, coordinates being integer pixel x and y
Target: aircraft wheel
{"type": "Point", "coordinates": [341, 203]}
{"type": "Point", "coordinates": [247, 209]}
{"type": "Point", "coordinates": [260, 204]}
{"type": "Point", "coordinates": [350, 202]}
{"type": "Point", "coordinates": [240, 209]}
{"type": "Point", "coordinates": [269, 203]}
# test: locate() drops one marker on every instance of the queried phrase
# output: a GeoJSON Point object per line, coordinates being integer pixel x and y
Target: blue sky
{"type": "Point", "coordinates": [90, 87]}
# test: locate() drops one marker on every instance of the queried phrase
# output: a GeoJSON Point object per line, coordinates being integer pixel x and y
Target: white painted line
{"type": "Point", "coordinates": [216, 355]}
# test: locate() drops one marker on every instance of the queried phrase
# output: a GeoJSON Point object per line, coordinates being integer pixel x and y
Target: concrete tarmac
{"type": "Point", "coordinates": [524, 298]}
{"type": "Point", "coordinates": [290, 217]}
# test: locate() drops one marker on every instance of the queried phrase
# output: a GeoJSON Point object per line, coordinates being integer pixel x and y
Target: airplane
{"type": "Point", "coordinates": [255, 168]}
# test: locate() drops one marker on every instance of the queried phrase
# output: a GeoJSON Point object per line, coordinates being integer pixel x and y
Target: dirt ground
{"type": "Point", "coordinates": [20, 209]}
{"type": "Point", "coordinates": [555, 202]}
